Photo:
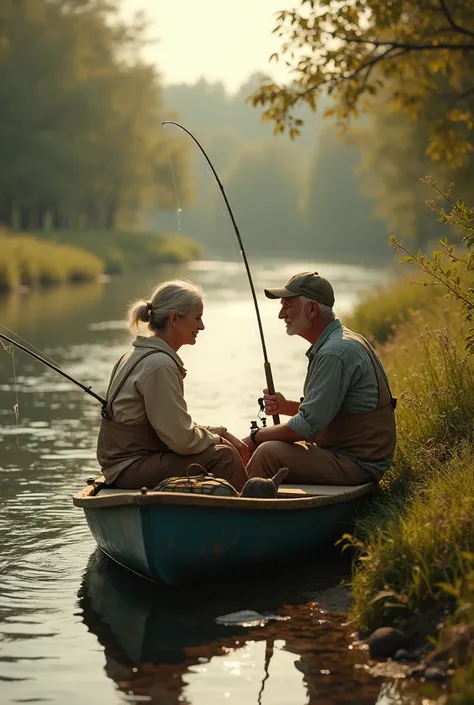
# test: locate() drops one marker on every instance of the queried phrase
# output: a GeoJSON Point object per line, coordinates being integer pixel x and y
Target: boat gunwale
{"type": "Point", "coordinates": [88, 499]}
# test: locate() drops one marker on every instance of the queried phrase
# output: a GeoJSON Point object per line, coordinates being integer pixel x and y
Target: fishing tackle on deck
{"type": "Point", "coordinates": [267, 367]}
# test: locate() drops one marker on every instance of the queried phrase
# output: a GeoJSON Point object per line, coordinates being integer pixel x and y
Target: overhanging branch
{"type": "Point", "coordinates": [367, 66]}
{"type": "Point", "coordinates": [451, 20]}
{"type": "Point", "coordinates": [410, 46]}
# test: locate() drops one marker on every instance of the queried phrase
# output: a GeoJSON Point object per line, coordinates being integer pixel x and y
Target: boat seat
{"type": "Point", "coordinates": [316, 490]}
{"type": "Point", "coordinates": [284, 491]}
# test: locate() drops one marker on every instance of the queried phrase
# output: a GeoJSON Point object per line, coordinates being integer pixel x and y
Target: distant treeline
{"type": "Point", "coordinates": [288, 197]}
{"type": "Point", "coordinates": [82, 148]}
{"type": "Point", "coordinates": [81, 141]}
{"type": "Point", "coordinates": [326, 194]}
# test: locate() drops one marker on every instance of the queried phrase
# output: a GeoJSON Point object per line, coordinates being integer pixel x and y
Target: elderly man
{"type": "Point", "coordinates": [342, 431]}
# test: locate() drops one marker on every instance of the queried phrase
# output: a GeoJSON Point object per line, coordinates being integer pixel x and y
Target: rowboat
{"type": "Point", "coordinates": [176, 537]}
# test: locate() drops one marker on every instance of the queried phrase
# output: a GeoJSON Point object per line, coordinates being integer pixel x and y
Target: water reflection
{"type": "Point", "coordinates": [166, 645]}
{"type": "Point", "coordinates": [171, 639]}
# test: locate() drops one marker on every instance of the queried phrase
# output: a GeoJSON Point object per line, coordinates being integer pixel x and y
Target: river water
{"type": "Point", "coordinates": [77, 629]}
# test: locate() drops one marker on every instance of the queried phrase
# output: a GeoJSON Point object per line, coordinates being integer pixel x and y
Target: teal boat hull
{"type": "Point", "coordinates": [177, 542]}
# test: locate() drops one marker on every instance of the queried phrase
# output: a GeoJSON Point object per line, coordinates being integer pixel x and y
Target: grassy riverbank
{"type": "Point", "coordinates": [124, 250]}
{"type": "Point", "coordinates": [27, 261]}
{"type": "Point", "coordinates": [48, 259]}
{"type": "Point", "coordinates": [417, 544]}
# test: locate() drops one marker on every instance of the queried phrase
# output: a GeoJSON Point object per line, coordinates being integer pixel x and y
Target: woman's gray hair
{"type": "Point", "coordinates": [177, 296]}
{"type": "Point", "coordinates": [324, 311]}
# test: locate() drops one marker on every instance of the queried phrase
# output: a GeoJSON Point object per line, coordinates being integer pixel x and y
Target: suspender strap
{"type": "Point", "coordinates": [114, 371]}
{"type": "Point", "coordinates": [376, 364]}
{"type": "Point", "coordinates": [110, 400]}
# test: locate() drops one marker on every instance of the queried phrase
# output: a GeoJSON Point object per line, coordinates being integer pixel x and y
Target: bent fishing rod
{"type": "Point", "coordinates": [266, 363]}
{"type": "Point", "coordinates": [88, 390]}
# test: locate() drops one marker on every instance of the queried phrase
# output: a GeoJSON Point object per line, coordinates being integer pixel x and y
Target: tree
{"type": "Point", "coordinates": [352, 50]}
{"type": "Point", "coordinates": [81, 142]}
{"type": "Point", "coordinates": [227, 128]}
{"type": "Point", "coordinates": [264, 187]}
{"type": "Point", "coordinates": [393, 163]}
{"type": "Point", "coordinates": [449, 267]}
{"type": "Point", "coordinates": [338, 220]}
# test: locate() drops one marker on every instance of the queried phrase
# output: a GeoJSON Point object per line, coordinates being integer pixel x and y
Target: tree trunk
{"type": "Point", "coordinates": [24, 218]}
{"type": "Point", "coordinates": [6, 212]}
{"type": "Point", "coordinates": [112, 207]}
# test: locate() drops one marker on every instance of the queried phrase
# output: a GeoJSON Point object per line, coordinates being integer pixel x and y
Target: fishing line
{"type": "Point", "coordinates": [227, 220]}
{"type": "Point", "coordinates": [179, 209]}
{"type": "Point", "coordinates": [40, 352]}
{"type": "Point", "coordinates": [267, 367]}
{"type": "Point", "coordinates": [16, 408]}
{"type": "Point", "coordinates": [54, 367]}
{"type": "Point", "coordinates": [208, 172]}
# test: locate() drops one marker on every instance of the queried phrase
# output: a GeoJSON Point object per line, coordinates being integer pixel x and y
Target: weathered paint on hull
{"type": "Point", "coordinates": [176, 543]}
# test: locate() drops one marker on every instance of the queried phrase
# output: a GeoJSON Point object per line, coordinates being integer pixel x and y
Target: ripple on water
{"type": "Point", "coordinates": [77, 630]}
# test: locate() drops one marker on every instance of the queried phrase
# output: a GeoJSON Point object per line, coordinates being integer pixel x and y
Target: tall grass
{"type": "Point", "coordinates": [462, 688]}
{"type": "Point", "coordinates": [27, 261]}
{"type": "Point", "coordinates": [379, 314]}
{"type": "Point", "coordinates": [418, 558]}
{"type": "Point", "coordinates": [433, 378]}
{"type": "Point", "coordinates": [123, 250]}
{"type": "Point", "coordinates": [411, 555]}
{"type": "Point", "coordinates": [420, 526]}
{"type": "Point", "coordinates": [417, 542]}
{"type": "Point", "coordinates": [68, 256]}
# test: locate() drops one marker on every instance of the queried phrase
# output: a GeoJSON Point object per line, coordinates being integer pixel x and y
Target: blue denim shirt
{"type": "Point", "coordinates": [340, 376]}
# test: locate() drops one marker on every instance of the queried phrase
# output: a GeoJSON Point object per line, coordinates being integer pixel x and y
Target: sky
{"type": "Point", "coordinates": [220, 40]}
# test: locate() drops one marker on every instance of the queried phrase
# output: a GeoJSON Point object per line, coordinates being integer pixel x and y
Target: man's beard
{"type": "Point", "coordinates": [299, 325]}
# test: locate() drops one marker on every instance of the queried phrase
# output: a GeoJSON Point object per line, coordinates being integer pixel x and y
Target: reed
{"type": "Point", "coordinates": [415, 546]}
{"type": "Point", "coordinates": [121, 250]}
{"type": "Point", "coordinates": [377, 316]}
{"type": "Point", "coordinates": [27, 261]}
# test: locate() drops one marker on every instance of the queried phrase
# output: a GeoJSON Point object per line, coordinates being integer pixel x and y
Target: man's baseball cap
{"type": "Point", "coordinates": [309, 284]}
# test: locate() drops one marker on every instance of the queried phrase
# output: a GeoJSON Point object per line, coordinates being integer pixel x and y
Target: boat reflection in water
{"type": "Point", "coordinates": [168, 646]}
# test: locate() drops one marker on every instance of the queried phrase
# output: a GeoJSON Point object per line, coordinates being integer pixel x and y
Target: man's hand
{"type": "Point", "coordinates": [240, 446]}
{"type": "Point", "coordinates": [275, 403]}
{"type": "Point", "coordinates": [280, 432]}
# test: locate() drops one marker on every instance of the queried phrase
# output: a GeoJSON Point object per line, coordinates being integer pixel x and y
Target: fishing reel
{"type": "Point", "coordinates": [254, 426]}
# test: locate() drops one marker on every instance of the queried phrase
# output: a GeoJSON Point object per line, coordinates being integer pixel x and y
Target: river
{"type": "Point", "coordinates": [76, 629]}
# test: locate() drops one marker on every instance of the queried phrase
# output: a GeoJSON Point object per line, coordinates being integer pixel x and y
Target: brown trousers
{"type": "Point", "coordinates": [222, 460]}
{"type": "Point", "coordinates": [309, 465]}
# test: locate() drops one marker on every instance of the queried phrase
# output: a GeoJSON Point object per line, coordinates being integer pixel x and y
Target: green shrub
{"type": "Point", "coordinates": [178, 248]}
{"type": "Point", "coordinates": [410, 556]}
{"type": "Point", "coordinates": [378, 314]}
{"type": "Point", "coordinates": [462, 687]}
{"type": "Point", "coordinates": [433, 378]}
{"type": "Point", "coordinates": [123, 250]}
{"type": "Point", "coordinates": [28, 261]}
{"type": "Point", "coordinates": [416, 546]}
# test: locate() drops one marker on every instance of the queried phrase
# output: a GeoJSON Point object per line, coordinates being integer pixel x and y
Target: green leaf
{"type": "Point", "coordinates": [382, 595]}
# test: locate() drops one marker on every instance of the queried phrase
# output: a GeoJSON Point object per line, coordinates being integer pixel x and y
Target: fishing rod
{"type": "Point", "coordinates": [266, 365]}
{"type": "Point", "coordinates": [55, 368]}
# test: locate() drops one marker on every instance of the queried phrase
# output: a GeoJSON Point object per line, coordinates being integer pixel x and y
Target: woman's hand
{"type": "Point", "coordinates": [251, 448]}
{"type": "Point", "coordinates": [240, 446]}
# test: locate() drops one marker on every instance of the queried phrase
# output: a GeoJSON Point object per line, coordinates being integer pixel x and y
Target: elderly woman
{"type": "Point", "coordinates": [147, 434]}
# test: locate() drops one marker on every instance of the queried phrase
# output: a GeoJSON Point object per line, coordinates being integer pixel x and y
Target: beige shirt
{"type": "Point", "coordinates": [154, 391]}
